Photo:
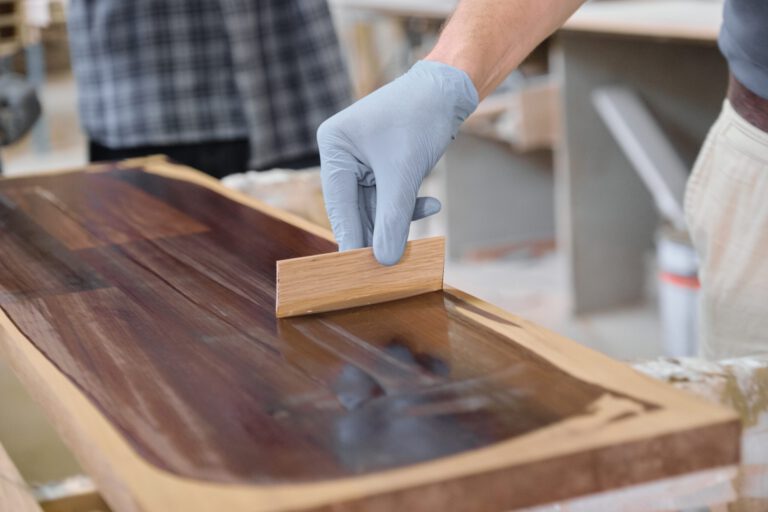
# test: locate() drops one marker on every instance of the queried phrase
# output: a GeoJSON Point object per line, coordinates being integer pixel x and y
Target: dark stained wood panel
{"type": "Point", "coordinates": [44, 208]}
{"type": "Point", "coordinates": [32, 263]}
{"type": "Point", "coordinates": [84, 211]}
{"type": "Point", "coordinates": [169, 331]}
{"type": "Point", "coordinates": [248, 233]}
{"type": "Point", "coordinates": [189, 321]}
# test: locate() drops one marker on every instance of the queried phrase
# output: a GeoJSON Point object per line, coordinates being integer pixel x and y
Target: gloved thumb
{"type": "Point", "coordinates": [426, 206]}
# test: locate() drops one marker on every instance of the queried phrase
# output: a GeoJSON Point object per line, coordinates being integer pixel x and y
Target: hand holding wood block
{"type": "Point", "coordinates": [154, 348]}
{"type": "Point", "coordinates": [327, 282]}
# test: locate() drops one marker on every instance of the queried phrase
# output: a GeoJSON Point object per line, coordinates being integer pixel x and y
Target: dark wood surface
{"type": "Point", "coordinates": [155, 297]}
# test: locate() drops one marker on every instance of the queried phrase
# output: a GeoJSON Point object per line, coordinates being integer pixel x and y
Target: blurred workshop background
{"type": "Point", "coordinates": [546, 213]}
{"type": "Point", "coordinates": [561, 196]}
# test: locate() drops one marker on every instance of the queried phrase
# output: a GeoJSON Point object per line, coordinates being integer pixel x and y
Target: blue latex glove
{"type": "Point", "coordinates": [376, 153]}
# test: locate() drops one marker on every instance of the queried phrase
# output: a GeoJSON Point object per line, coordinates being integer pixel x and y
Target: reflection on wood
{"type": "Point", "coordinates": [99, 211]}
{"type": "Point", "coordinates": [166, 323]}
{"type": "Point", "coordinates": [33, 263]}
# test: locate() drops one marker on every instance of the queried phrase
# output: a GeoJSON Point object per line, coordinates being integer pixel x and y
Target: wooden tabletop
{"type": "Point", "coordinates": [436, 9]}
{"type": "Point", "coordinates": [698, 20]}
{"type": "Point", "coordinates": [138, 307]}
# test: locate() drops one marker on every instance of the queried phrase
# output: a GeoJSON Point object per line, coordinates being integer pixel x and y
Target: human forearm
{"type": "Point", "coordinates": [489, 38]}
{"type": "Point", "coordinates": [376, 153]}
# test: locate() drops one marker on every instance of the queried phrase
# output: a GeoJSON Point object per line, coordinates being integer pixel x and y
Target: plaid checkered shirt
{"type": "Point", "coordinates": [163, 72]}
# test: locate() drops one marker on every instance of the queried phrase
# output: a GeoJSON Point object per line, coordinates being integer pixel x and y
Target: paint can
{"type": "Point", "coordinates": [678, 286]}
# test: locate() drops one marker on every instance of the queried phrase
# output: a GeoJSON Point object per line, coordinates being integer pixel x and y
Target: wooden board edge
{"type": "Point", "coordinates": [52, 392]}
{"type": "Point", "coordinates": [686, 34]}
{"type": "Point", "coordinates": [413, 259]}
{"type": "Point", "coordinates": [583, 362]}
{"type": "Point", "coordinates": [82, 425]}
{"type": "Point", "coordinates": [129, 483]}
{"type": "Point", "coordinates": [519, 487]}
{"type": "Point", "coordinates": [94, 167]}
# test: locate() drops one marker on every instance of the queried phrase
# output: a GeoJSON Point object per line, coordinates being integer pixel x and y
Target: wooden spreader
{"type": "Point", "coordinates": [339, 280]}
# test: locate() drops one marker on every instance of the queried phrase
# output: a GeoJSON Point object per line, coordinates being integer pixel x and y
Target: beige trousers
{"type": "Point", "coordinates": [726, 206]}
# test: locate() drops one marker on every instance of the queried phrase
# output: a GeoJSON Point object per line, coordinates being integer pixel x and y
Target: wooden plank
{"type": "Point", "coordinates": [178, 388]}
{"type": "Point", "coordinates": [34, 263]}
{"type": "Point", "coordinates": [85, 502]}
{"type": "Point", "coordinates": [670, 19]}
{"type": "Point", "coordinates": [76, 493]}
{"type": "Point", "coordinates": [338, 280]}
{"type": "Point", "coordinates": [436, 9]}
{"type": "Point", "coordinates": [15, 495]}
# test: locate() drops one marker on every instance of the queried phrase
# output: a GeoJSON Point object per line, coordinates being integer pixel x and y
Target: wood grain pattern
{"type": "Point", "coordinates": [35, 264]}
{"type": "Point", "coordinates": [339, 280]}
{"type": "Point", "coordinates": [100, 212]}
{"type": "Point", "coordinates": [161, 361]}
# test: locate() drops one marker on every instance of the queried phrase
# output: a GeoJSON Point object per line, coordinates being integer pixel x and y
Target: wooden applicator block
{"type": "Point", "coordinates": [340, 280]}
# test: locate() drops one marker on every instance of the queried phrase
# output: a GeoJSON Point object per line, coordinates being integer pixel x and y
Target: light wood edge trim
{"type": "Point", "coordinates": [587, 364]}
{"type": "Point", "coordinates": [15, 495]}
{"type": "Point", "coordinates": [609, 27]}
{"type": "Point", "coordinates": [424, 247]}
{"type": "Point", "coordinates": [129, 483]}
{"type": "Point", "coordinates": [96, 167]}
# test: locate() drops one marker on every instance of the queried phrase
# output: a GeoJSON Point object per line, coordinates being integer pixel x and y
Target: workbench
{"type": "Point", "coordinates": [138, 309]}
{"type": "Point", "coordinates": [605, 219]}
{"type": "Point", "coordinates": [680, 19]}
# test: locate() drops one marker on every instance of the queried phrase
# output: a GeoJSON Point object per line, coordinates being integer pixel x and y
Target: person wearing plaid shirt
{"type": "Point", "coordinates": [221, 85]}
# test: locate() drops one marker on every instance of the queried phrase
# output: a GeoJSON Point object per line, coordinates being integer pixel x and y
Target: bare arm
{"type": "Point", "coordinates": [376, 153]}
{"type": "Point", "coordinates": [487, 39]}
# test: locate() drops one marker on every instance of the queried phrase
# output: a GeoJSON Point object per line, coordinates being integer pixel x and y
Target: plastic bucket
{"type": "Point", "coordinates": [678, 293]}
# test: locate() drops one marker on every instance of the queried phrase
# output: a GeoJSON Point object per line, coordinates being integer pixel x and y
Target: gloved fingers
{"type": "Point", "coordinates": [367, 205]}
{"type": "Point", "coordinates": [396, 201]}
{"type": "Point", "coordinates": [340, 173]}
{"type": "Point", "coordinates": [426, 206]}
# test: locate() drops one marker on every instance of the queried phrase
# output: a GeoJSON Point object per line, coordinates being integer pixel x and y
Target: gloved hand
{"type": "Point", "coordinates": [375, 154]}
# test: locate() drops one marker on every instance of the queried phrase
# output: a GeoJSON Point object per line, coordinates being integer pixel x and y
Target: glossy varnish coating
{"type": "Point", "coordinates": [156, 298]}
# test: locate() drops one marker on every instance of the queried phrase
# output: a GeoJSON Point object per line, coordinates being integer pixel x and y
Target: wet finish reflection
{"type": "Point", "coordinates": [156, 298]}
